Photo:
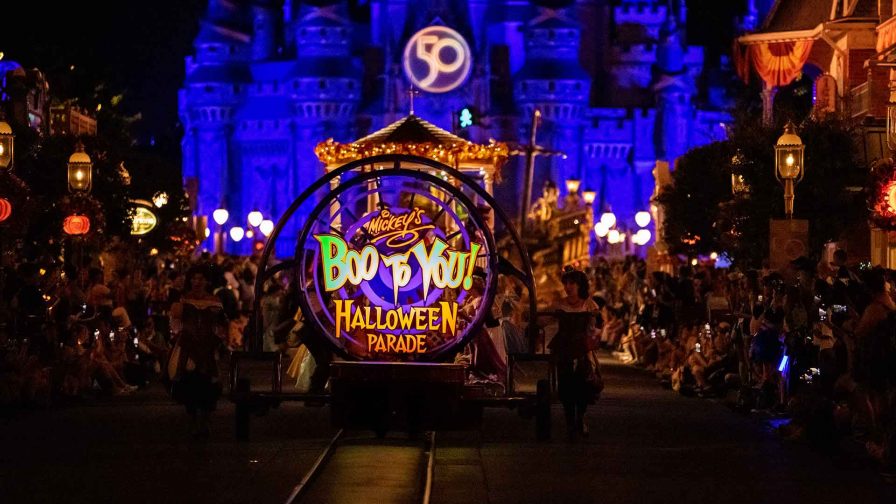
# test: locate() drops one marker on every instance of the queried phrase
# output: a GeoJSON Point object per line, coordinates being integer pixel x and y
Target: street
{"type": "Point", "coordinates": [647, 444]}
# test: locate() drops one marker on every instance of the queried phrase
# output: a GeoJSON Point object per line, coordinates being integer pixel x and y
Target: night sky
{"type": "Point", "coordinates": [138, 48]}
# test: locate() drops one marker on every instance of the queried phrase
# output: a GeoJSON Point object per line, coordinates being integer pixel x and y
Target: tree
{"type": "Point", "coordinates": [829, 196]}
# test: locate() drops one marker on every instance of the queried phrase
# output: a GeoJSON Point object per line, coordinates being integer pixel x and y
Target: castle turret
{"type": "Point", "coordinates": [216, 76]}
{"type": "Point", "coordinates": [553, 82]}
{"type": "Point", "coordinates": [264, 30]}
{"type": "Point", "coordinates": [674, 92]}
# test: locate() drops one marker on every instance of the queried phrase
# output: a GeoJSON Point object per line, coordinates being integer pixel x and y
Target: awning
{"type": "Point", "coordinates": [778, 62]}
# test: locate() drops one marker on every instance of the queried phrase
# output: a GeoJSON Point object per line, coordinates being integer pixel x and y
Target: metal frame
{"type": "Point", "coordinates": [396, 160]}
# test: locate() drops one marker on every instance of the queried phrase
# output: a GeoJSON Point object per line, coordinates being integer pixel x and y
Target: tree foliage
{"type": "Point", "coordinates": [701, 202]}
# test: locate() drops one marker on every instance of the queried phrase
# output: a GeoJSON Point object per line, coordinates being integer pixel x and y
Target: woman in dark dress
{"type": "Point", "coordinates": [571, 347]}
{"type": "Point", "coordinates": [193, 368]}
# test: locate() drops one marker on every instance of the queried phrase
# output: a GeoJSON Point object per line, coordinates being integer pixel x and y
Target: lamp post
{"type": "Point", "coordinates": [220, 217]}
{"type": "Point", "coordinates": [789, 164]}
{"type": "Point", "coordinates": [6, 146]}
{"type": "Point", "coordinates": [80, 171]}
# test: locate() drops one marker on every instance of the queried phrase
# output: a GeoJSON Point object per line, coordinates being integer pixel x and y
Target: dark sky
{"type": "Point", "coordinates": [139, 46]}
{"type": "Point", "coordinates": [133, 46]}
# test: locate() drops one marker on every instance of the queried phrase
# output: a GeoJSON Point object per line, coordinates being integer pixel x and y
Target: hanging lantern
{"type": "Point", "coordinates": [80, 171]}
{"type": "Point", "coordinates": [5, 209]}
{"type": "Point", "coordinates": [76, 225]}
{"type": "Point", "coordinates": [6, 145]}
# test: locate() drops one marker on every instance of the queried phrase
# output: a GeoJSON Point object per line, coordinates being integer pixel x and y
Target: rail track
{"type": "Point", "coordinates": [369, 469]}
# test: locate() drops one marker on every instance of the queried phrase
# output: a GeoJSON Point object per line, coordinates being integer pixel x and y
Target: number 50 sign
{"type": "Point", "coordinates": [437, 59]}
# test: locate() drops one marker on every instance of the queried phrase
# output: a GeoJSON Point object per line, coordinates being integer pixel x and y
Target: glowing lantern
{"type": "Point", "coordinates": [6, 145]}
{"type": "Point", "coordinates": [601, 229]}
{"type": "Point", "coordinates": [80, 171]}
{"type": "Point", "coordinates": [641, 237]}
{"type": "Point", "coordinates": [572, 185]}
{"type": "Point", "coordinates": [5, 209]}
{"type": "Point", "coordinates": [789, 164]}
{"type": "Point", "coordinates": [160, 199]}
{"type": "Point", "coordinates": [220, 216]}
{"type": "Point", "coordinates": [588, 195]}
{"type": "Point", "coordinates": [237, 233]}
{"type": "Point", "coordinates": [76, 225]}
{"type": "Point", "coordinates": [608, 219]}
{"type": "Point", "coordinates": [255, 218]}
{"type": "Point", "coordinates": [266, 227]}
{"type": "Point", "coordinates": [642, 218]}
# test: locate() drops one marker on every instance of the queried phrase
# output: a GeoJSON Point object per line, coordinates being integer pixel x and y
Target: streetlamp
{"type": "Point", "coordinates": [608, 219]}
{"type": "Point", "coordinates": [789, 164]}
{"type": "Point", "coordinates": [220, 216]}
{"type": "Point", "coordinates": [80, 171]}
{"type": "Point", "coordinates": [255, 218]}
{"type": "Point", "coordinates": [6, 146]}
{"type": "Point", "coordinates": [589, 196]}
{"type": "Point", "coordinates": [266, 227]}
{"type": "Point", "coordinates": [642, 218]}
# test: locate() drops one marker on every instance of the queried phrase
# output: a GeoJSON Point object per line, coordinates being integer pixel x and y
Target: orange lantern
{"type": "Point", "coordinates": [5, 209]}
{"type": "Point", "coordinates": [76, 225]}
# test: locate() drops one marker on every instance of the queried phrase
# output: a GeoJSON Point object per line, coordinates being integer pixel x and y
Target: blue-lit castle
{"type": "Point", "coordinates": [616, 84]}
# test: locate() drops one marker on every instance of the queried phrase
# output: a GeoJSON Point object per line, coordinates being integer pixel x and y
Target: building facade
{"type": "Point", "coordinates": [616, 83]}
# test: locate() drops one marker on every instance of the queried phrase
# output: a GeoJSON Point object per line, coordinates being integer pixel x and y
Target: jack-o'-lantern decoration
{"type": "Point", "coordinates": [5, 209]}
{"type": "Point", "coordinates": [882, 195]}
{"type": "Point", "coordinates": [76, 225]}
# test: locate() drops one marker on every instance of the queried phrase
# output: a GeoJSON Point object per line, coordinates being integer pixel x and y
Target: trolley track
{"type": "Point", "coordinates": [359, 469]}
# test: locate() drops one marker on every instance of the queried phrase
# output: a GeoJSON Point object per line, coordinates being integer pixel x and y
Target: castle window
{"type": "Point", "coordinates": [551, 34]}
{"type": "Point", "coordinates": [351, 84]}
{"type": "Point", "coordinates": [322, 84]}
{"type": "Point", "coordinates": [552, 86]}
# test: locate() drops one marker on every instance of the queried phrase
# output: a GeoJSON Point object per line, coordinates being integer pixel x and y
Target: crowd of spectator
{"type": "Point", "coordinates": [814, 342]}
{"type": "Point", "coordinates": [69, 332]}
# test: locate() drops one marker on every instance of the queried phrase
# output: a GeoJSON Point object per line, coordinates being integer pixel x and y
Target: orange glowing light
{"type": "Point", "coordinates": [5, 209]}
{"type": "Point", "coordinates": [76, 225]}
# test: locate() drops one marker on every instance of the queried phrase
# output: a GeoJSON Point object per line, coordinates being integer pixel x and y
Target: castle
{"type": "Point", "coordinates": [616, 84]}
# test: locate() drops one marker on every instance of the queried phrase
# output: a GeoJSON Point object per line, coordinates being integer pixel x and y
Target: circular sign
{"type": "Point", "coordinates": [437, 59]}
{"type": "Point", "coordinates": [143, 221]}
{"type": "Point", "coordinates": [399, 266]}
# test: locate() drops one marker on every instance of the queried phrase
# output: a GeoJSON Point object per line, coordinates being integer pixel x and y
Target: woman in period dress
{"type": "Point", "coordinates": [193, 368]}
{"type": "Point", "coordinates": [572, 348]}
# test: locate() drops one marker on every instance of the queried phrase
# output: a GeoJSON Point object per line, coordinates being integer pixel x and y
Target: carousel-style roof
{"type": "Point", "coordinates": [415, 136]}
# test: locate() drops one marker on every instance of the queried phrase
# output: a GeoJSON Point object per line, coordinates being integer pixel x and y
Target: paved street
{"type": "Point", "coordinates": [647, 445]}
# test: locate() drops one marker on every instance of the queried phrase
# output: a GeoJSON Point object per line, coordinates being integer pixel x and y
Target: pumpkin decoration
{"type": "Point", "coordinates": [76, 225]}
{"type": "Point", "coordinates": [882, 195]}
{"type": "Point", "coordinates": [5, 209]}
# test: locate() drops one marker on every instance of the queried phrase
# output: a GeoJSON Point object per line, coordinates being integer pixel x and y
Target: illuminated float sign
{"type": "Point", "coordinates": [437, 59]}
{"type": "Point", "coordinates": [398, 264]}
{"type": "Point", "coordinates": [403, 249]}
